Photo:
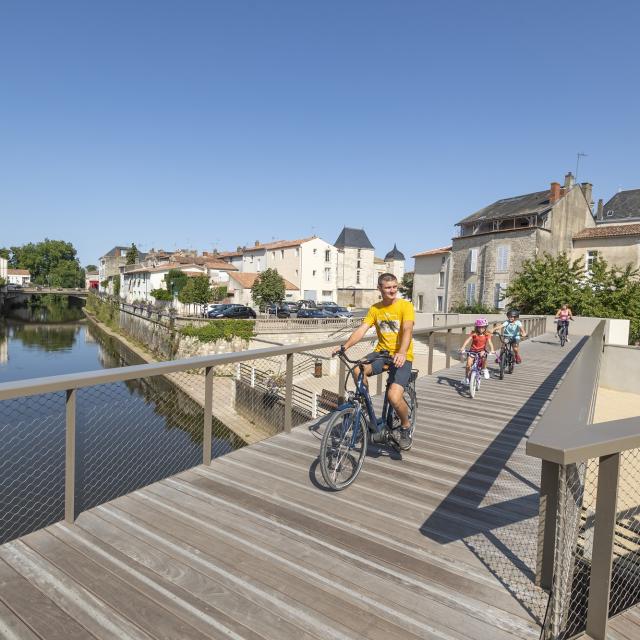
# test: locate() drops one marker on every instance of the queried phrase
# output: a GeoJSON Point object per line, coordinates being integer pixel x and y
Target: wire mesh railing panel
{"type": "Point", "coordinates": [567, 611]}
{"type": "Point", "coordinates": [32, 463]}
{"type": "Point", "coordinates": [625, 572]}
{"type": "Point", "coordinates": [131, 434]}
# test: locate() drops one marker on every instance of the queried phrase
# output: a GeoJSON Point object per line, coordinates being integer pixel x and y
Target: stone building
{"type": "Point", "coordinates": [394, 263]}
{"type": "Point", "coordinates": [109, 266]}
{"type": "Point", "coordinates": [431, 280]}
{"type": "Point", "coordinates": [616, 236]}
{"type": "Point", "coordinates": [357, 272]}
{"type": "Point", "coordinates": [494, 241]}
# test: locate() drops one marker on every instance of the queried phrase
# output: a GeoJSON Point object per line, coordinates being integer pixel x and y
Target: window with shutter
{"type": "Point", "coordinates": [473, 260]}
{"type": "Point", "coordinates": [502, 259]}
{"type": "Point", "coordinates": [500, 302]}
{"type": "Point", "coordinates": [471, 292]}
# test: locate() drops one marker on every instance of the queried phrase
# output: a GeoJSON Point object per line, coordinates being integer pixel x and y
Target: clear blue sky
{"type": "Point", "coordinates": [212, 124]}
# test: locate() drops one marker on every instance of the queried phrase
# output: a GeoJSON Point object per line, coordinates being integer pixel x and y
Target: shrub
{"type": "Point", "coordinates": [221, 330]}
{"type": "Point", "coordinates": [476, 307]}
{"type": "Point", "coordinates": [161, 294]}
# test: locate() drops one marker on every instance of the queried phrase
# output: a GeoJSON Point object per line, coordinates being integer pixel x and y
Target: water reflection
{"type": "Point", "coordinates": [129, 434]}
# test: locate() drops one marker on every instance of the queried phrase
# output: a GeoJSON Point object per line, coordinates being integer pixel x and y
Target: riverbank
{"type": "Point", "coordinates": [193, 386]}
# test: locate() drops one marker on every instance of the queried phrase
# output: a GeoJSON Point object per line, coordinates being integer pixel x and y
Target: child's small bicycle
{"type": "Point", "coordinates": [354, 424]}
{"type": "Point", "coordinates": [475, 374]}
{"type": "Point", "coordinates": [507, 358]}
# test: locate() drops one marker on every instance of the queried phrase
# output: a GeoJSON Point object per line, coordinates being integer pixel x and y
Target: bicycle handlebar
{"type": "Point", "coordinates": [382, 354]}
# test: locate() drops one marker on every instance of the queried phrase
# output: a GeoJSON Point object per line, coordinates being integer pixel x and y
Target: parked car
{"type": "Point", "coordinates": [291, 306]}
{"type": "Point", "coordinates": [341, 312]}
{"type": "Point", "coordinates": [235, 311]}
{"type": "Point", "coordinates": [306, 304]}
{"type": "Point", "coordinates": [214, 307]}
{"type": "Point", "coordinates": [280, 311]}
{"type": "Point", "coordinates": [315, 313]}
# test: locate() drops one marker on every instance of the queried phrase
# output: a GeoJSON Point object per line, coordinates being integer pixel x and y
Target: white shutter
{"type": "Point", "coordinates": [471, 292]}
{"type": "Point", "coordinates": [473, 261]}
{"type": "Point", "coordinates": [501, 287]}
{"type": "Point", "coordinates": [502, 259]}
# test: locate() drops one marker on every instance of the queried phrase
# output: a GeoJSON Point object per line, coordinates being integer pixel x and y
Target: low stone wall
{"type": "Point", "coordinates": [158, 338]}
{"type": "Point", "coordinates": [620, 369]}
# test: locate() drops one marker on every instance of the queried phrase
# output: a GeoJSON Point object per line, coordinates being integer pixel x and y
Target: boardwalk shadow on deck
{"type": "Point", "coordinates": [499, 534]}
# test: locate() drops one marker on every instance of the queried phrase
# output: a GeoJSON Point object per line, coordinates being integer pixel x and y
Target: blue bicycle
{"type": "Point", "coordinates": [354, 424]}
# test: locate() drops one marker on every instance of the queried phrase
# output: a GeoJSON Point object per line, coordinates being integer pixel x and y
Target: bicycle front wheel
{"type": "Point", "coordinates": [512, 360]}
{"type": "Point", "coordinates": [502, 363]}
{"type": "Point", "coordinates": [563, 336]}
{"type": "Point", "coordinates": [343, 448]}
{"type": "Point", "coordinates": [473, 384]}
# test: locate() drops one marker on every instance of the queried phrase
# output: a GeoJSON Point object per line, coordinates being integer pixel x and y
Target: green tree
{"type": "Point", "coordinates": [2, 282]}
{"type": "Point", "coordinates": [67, 274]}
{"type": "Point", "coordinates": [42, 259]}
{"type": "Point", "coordinates": [132, 254]}
{"type": "Point", "coordinates": [268, 288]}
{"type": "Point", "coordinates": [406, 286]}
{"type": "Point", "coordinates": [161, 294]}
{"type": "Point", "coordinates": [116, 285]}
{"type": "Point", "coordinates": [219, 293]}
{"type": "Point", "coordinates": [5, 253]}
{"type": "Point", "coordinates": [544, 284]}
{"type": "Point", "coordinates": [201, 289]}
{"type": "Point", "coordinates": [175, 280]}
{"type": "Point", "coordinates": [91, 268]}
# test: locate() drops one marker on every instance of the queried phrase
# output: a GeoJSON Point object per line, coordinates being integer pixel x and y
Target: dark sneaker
{"type": "Point", "coordinates": [405, 440]}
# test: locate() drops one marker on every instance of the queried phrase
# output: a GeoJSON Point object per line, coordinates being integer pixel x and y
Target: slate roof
{"type": "Point", "coordinates": [524, 205]}
{"type": "Point", "coordinates": [353, 238]}
{"type": "Point", "coordinates": [623, 206]}
{"type": "Point", "coordinates": [112, 253]}
{"type": "Point", "coordinates": [608, 231]}
{"type": "Point", "coordinates": [433, 252]}
{"type": "Point", "coordinates": [394, 254]}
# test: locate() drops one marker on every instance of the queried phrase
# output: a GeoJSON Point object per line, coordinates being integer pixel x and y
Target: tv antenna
{"type": "Point", "coordinates": [578, 156]}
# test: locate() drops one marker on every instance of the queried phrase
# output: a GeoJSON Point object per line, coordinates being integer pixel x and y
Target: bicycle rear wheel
{"type": "Point", "coordinates": [512, 360]}
{"type": "Point", "coordinates": [343, 448]}
{"type": "Point", "coordinates": [563, 336]}
{"type": "Point", "coordinates": [473, 383]}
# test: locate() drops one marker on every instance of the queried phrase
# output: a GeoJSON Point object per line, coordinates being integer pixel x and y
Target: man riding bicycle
{"type": "Point", "coordinates": [393, 319]}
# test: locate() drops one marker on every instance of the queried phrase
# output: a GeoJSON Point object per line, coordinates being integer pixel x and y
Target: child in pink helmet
{"type": "Point", "coordinates": [480, 340]}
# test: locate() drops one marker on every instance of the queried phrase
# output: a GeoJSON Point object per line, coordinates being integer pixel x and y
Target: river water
{"type": "Point", "coordinates": [129, 434]}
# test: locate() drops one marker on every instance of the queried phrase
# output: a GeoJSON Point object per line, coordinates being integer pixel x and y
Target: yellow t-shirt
{"type": "Point", "coordinates": [388, 322]}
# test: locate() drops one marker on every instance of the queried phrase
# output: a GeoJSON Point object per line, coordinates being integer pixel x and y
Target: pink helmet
{"type": "Point", "coordinates": [482, 322]}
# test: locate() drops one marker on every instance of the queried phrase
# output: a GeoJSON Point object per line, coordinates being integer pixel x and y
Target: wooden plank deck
{"type": "Point", "coordinates": [439, 542]}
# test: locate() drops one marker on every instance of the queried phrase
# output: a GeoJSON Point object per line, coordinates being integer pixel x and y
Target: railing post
{"type": "Point", "coordinates": [342, 376]}
{"type": "Point", "coordinates": [208, 418]}
{"type": "Point", "coordinates": [70, 458]}
{"type": "Point", "coordinates": [603, 535]}
{"type": "Point", "coordinates": [432, 339]}
{"type": "Point", "coordinates": [314, 405]}
{"type": "Point", "coordinates": [548, 516]}
{"type": "Point", "coordinates": [448, 348]}
{"type": "Point", "coordinates": [288, 393]}
{"type": "Point", "coordinates": [253, 377]}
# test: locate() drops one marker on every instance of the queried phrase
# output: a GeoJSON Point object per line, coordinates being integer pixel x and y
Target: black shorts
{"type": "Point", "coordinates": [397, 375]}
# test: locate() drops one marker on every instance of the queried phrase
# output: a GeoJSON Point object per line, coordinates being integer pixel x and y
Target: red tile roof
{"type": "Point", "coordinates": [608, 231]}
{"type": "Point", "coordinates": [18, 272]}
{"type": "Point", "coordinates": [433, 252]}
{"type": "Point", "coordinates": [246, 280]}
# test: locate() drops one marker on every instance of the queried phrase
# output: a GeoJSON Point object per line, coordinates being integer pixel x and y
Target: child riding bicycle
{"type": "Point", "coordinates": [513, 330]}
{"type": "Point", "coordinates": [479, 339]}
{"type": "Point", "coordinates": [393, 319]}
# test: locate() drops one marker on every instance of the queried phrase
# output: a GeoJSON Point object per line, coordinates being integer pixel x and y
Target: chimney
{"type": "Point", "coordinates": [554, 195]}
{"type": "Point", "coordinates": [117, 253]}
{"type": "Point", "coordinates": [587, 189]}
{"type": "Point", "coordinates": [568, 181]}
{"type": "Point", "coordinates": [257, 243]}
{"type": "Point", "coordinates": [600, 213]}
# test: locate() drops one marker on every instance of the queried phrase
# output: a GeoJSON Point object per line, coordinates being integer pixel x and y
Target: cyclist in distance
{"type": "Point", "coordinates": [514, 329]}
{"type": "Point", "coordinates": [393, 319]}
{"type": "Point", "coordinates": [564, 315]}
{"type": "Point", "coordinates": [480, 341]}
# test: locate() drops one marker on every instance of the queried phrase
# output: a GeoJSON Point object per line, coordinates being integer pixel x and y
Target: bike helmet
{"type": "Point", "coordinates": [513, 313]}
{"type": "Point", "coordinates": [482, 322]}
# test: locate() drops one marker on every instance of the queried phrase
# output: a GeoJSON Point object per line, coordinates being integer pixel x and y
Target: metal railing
{"type": "Point", "coordinates": [589, 540]}
{"type": "Point", "coordinates": [71, 442]}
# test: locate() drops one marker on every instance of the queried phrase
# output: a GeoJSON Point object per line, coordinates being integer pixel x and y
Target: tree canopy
{"type": "Point", "coordinates": [268, 288]}
{"type": "Point", "coordinates": [544, 284]}
{"type": "Point", "coordinates": [175, 280]}
{"type": "Point", "coordinates": [406, 286]}
{"type": "Point", "coordinates": [55, 259]}
{"type": "Point", "coordinates": [132, 254]}
{"type": "Point", "coordinates": [196, 291]}
{"type": "Point", "coordinates": [91, 267]}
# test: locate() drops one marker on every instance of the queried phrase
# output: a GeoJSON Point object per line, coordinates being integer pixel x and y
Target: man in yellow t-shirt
{"type": "Point", "coordinates": [393, 319]}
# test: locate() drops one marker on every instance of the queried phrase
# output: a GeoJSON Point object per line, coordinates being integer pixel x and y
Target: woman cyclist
{"type": "Point", "coordinates": [563, 316]}
{"type": "Point", "coordinates": [479, 339]}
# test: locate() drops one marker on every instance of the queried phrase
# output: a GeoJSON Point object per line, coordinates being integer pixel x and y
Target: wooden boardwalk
{"type": "Point", "coordinates": [437, 543]}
